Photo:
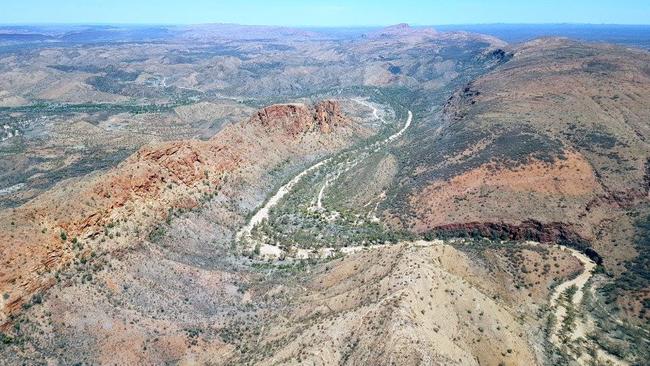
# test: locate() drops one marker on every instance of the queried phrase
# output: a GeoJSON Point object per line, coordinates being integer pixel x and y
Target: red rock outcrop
{"type": "Point", "coordinates": [328, 115]}
{"type": "Point", "coordinates": [297, 118]}
{"type": "Point", "coordinates": [142, 190]}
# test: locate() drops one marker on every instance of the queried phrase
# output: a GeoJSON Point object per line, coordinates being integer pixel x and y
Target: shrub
{"type": "Point", "coordinates": [156, 234]}
{"type": "Point", "coordinates": [5, 339]}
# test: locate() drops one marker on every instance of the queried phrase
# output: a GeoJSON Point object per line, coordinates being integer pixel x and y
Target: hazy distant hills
{"type": "Point", "coordinates": [630, 35]}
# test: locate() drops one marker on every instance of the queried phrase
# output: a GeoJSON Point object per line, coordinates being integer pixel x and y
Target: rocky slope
{"type": "Point", "coordinates": [553, 144]}
{"type": "Point", "coordinates": [77, 219]}
{"type": "Point", "coordinates": [56, 142]}
{"type": "Point", "coordinates": [412, 304]}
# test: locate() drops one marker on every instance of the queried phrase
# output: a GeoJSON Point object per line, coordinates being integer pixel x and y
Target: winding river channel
{"type": "Point", "coordinates": [558, 306]}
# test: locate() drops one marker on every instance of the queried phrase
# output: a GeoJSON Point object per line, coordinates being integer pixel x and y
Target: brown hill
{"type": "Point", "coordinates": [43, 237]}
{"type": "Point", "coordinates": [553, 144]}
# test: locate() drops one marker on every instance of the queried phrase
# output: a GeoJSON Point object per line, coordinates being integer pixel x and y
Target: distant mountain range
{"type": "Point", "coordinates": [630, 35]}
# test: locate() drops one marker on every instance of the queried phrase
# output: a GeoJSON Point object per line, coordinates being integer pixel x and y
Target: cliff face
{"type": "Point", "coordinates": [296, 119]}
{"type": "Point", "coordinates": [328, 115]}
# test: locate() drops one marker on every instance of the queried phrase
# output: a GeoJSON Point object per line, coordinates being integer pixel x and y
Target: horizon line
{"type": "Point", "coordinates": [308, 25]}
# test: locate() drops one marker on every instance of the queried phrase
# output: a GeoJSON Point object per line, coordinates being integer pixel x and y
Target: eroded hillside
{"type": "Point", "coordinates": [114, 211]}
{"type": "Point", "coordinates": [557, 135]}
{"type": "Point", "coordinates": [550, 146]}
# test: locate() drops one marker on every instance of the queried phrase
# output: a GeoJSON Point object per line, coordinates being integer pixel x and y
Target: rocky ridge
{"type": "Point", "coordinates": [555, 135]}
{"type": "Point", "coordinates": [76, 219]}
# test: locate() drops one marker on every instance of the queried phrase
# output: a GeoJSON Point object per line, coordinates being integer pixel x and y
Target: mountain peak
{"type": "Point", "coordinates": [399, 26]}
{"type": "Point", "coordinates": [401, 30]}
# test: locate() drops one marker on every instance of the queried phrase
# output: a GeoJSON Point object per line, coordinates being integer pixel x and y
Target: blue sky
{"type": "Point", "coordinates": [325, 13]}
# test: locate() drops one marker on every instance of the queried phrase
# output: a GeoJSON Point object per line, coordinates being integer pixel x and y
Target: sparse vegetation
{"type": "Point", "coordinates": [156, 234]}
{"type": "Point", "coordinates": [166, 274]}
